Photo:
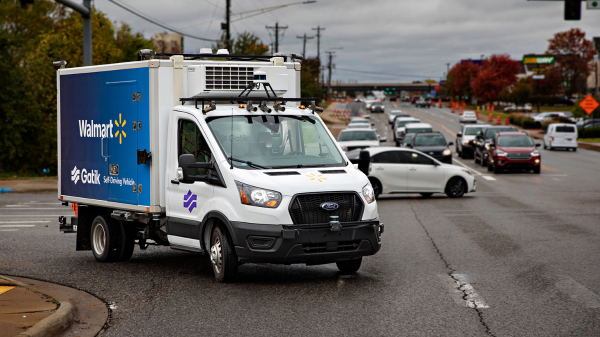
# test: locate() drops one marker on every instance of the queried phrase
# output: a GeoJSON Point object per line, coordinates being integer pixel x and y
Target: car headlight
{"type": "Point", "coordinates": [447, 152]}
{"type": "Point", "coordinates": [487, 146]}
{"type": "Point", "coordinates": [469, 172]}
{"type": "Point", "coordinates": [368, 194]}
{"type": "Point", "coordinates": [256, 196]}
{"type": "Point", "coordinates": [535, 153]}
{"type": "Point", "coordinates": [501, 153]}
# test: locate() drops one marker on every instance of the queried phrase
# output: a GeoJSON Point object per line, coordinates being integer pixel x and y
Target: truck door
{"type": "Point", "coordinates": [122, 146]}
{"type": "Point", "coordinates": [187, 204]}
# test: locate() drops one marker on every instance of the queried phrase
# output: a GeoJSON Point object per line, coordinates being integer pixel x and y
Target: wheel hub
{"type": "Point", "coordinates": [99, 239]}
{"type": "Point", "coordinates": [216, 256]}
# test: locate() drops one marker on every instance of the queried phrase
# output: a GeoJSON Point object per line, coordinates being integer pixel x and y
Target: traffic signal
{"type": "Point", "coordinates": [573, 10]}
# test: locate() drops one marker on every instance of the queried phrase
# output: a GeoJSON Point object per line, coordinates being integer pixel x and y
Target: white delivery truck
{"type": "Point", "coordinates": [214, 154]}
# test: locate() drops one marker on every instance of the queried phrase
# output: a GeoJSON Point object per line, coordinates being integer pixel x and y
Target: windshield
{"type": "Point", "coordinates": [434, 140]}
{"type": "Point", "coordinates": [418, 130]}
{"type": "Point", "coordinates": [515, 141]}
{"type": "Point", "coordinates": [401, 124]}
{"type": "Point", "coordinates": [490, 133]}
{"type": "Point", "coordinates": [472, 131]}
{"type": "Point", "coordinates": [396, 112]}
{"type": "Point", "coordinates": [357, 135]}
{"type": "Point", "coordinates": [275, 141]}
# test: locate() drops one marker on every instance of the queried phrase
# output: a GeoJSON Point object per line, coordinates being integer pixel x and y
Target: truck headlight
{"type": "Point", "coordinates": [256, 196]}
{"type": "Point", "coordinates": [368, 194]}
{"type": "Point", "coordinates": [447, 152]}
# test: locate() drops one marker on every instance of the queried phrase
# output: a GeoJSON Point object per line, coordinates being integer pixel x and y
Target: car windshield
{"type": "Point", "coordinates": [401, 124]}
{"type": "Point", "coordinates": [515, 141]}
{"type": "Point", "coordinates": [360, 121]}
{"type": "Point", "coordinates": [396, 112]}
{"type": "Point", "coordinates": [472, 131]}
{"type": "Point", "coordinates": [275, 141]}
{"type": "Point", "coordinates": [490, 133]}
{"type": "Point", "coordinates": [418, 130]}
{"type": "Point", "coordinates": [431, 140]}
{"type": "Point", "coordinates": [357, 135]}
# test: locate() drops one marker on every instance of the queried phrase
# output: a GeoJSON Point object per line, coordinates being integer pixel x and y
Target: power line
{"type": "Point", "coordinates": [149, 19]}
{"type": "Point", "coordinates": [387, 74]}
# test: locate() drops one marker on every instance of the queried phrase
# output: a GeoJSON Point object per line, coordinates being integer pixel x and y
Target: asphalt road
{"type": "Point", "coordinates": [519, 257]}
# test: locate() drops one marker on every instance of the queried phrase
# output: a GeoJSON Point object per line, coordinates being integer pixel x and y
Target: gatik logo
{"type": "Point", "coordinates": [92, 177]}
{"type": "Point", "coordinates": [75, 175]}
{"type": "Point", "coordinates": [189, 201]}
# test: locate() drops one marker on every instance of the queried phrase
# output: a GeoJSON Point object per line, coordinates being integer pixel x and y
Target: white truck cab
{"type": "Point", "coordinates": [243, 173]}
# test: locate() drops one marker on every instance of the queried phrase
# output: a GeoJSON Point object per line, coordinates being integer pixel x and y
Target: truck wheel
{"type": "Point", "coordinates": [376, 188]}
{"type": "Point", "coordinates": [105, 238]}
{"type": "Point", "coordinates": [350, 266]}
{"type": "Point", "coordinates": [456, 187]}
{"type": "Point", "coordinates": [127, 241]}
{"type": "Point", "coordinates": [222, 256]}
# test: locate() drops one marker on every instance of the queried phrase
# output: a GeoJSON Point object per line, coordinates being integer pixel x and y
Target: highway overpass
{"type": "Point", "coordinates": [397, 87]}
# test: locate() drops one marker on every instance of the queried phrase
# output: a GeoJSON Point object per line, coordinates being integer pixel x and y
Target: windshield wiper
{"type": "Point", "coordinates": [251, 164]}
{"type": "Point", "coordinates": [298, 166]}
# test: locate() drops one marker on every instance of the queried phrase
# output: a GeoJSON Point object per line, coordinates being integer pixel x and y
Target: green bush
{"type": "Point", "coordinates": [589, 133]}
{"type": "Point", "coordinates": [521, 120]}
{"type": "Point", "coordinates": [528, 123]}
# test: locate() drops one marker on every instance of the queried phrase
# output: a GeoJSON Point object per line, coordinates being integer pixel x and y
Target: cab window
{"type": "Point", "coordinates": [191, 141]}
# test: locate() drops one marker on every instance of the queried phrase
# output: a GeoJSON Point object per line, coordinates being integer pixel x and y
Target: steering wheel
{"type": "Point", "coordinates": [294, 153]}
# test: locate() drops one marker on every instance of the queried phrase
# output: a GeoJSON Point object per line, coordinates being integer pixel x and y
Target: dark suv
{"type": "Point", "coordinates": [433, 144]}
{"type": "Point", "coordinates": [481, 143]}
{"type": "Point", "coordinates": [513, 150]}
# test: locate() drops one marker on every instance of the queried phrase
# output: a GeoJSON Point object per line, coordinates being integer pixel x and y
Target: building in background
{"type": "Point", "coordinates": [171, 43]}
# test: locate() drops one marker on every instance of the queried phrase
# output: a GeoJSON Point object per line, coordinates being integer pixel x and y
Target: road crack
{"type": "Point", "coordinates": [465, 288]}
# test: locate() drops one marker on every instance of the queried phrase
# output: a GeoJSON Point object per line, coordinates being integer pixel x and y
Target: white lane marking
{"type": "Point", "coordinates": [32, 208]}
{"type": "Point", "coordinates": [34, 221]}
{"type": "Point", "coordinates": [578, 292]}
{"type": "Point", "coordinates": [4, 226]}
{"type": "Point", "coordinates": [35, 216]}
{"type": "Point", "coordinates": [462, 164]}
{"type": "Point", "coordinates": [25, 204]}
{"type": "Point", "coordinates": [488, 178]}
{"type": "Point", "coordinates": [8, 230]}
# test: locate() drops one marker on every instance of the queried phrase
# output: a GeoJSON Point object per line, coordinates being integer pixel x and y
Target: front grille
{"type": "Point", "coordinates": [236, 78]}
{"type": "Point", "coordinates": [519, 155]}
{"type": "Point", "coordinates": [306, 209]}
{"type": "Point", "coordinates": [322, 247]}
{"type": "Point", "coordinates": [283, 173]}
{"type": "Point", "coordinates": [518, 166]}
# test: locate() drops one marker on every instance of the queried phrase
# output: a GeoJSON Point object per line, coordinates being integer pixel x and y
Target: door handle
{"type": "Point", "coordinates": [175, 181]}
{"type": "Point", "coordinates": [413, 169]}
{"type": "Point", "coordinates": [379, 168]}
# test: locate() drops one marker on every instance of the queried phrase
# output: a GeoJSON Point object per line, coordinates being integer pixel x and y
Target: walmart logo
{"type": "Point", "coordinates": [75, 175]}
{"type": "Point", "coordinates": [189, 201]}
{"type": "Point", "coordinates": [120, 133]}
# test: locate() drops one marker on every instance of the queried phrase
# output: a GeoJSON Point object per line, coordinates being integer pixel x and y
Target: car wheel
{"type": "Point", "coordinates": [483, 162]}
{"type": "Point", "coordinates": [475, 157]}
{"type": "Point", "coordinates": [545, 147]}
{"type": "Point", "coordinates": [490, 167]}
{"type": "Point", "coordinates": [222, 256]}
{"type": "Point", "coordinates": [550, 146]}
{"type": "Point", "coordinates": [350, 266]}
{"type": "Point", "coordinates": [498, 169]}
{"type": "Point", "coordinates": [574, 149]}
{"type": "Point", "coordinates": [537, 170]}
{"type": "Point", "coordinates": [376, 188]}
{"type": "Point", "coordinates": [456, 187]}
{"type": "Point", "coordinates": [426, 195]}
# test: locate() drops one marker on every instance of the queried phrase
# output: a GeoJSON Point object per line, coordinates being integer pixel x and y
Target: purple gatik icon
{"type": "Point", "coordinates": [189, 201]}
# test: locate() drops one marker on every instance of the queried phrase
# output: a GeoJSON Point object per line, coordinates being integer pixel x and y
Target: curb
{"type": "Point", "coordinates": [61, 320]}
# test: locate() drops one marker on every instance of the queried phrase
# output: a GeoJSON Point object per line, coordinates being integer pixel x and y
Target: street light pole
{"type": "Point", "coordinates": [86, 13]}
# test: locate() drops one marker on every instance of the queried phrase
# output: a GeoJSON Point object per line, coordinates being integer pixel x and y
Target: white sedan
{"type": "Point", "coordinates": [402, 170]}
{"type": "Point", "coordinates": [468, 117]}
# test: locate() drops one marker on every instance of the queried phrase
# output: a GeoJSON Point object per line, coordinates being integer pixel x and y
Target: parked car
{"type": "Point", "coordinates": [400, 127]}
{"type": "Point", "coordinates": [394, 114]}
{"type": "Point", "coordinates": [433, 144]}
{"type": "Point", "coordinates": [515, 108]}
{"type": "Point", "coordinates": [561, 135]}
{"type": "Point", "coordinates": [423, 103]}
{"type": "Point", "coordinates": [377, 107]}
{"type": "Point", "coordinates": [513, 150]}
{"type": "Point", "coordinates": [482, 142]}
{"type": "Point", "coordinates": [402, 170]}
{"type": "Point", "coordinates": [467, 117]}
{"type": "Point", "coordinates": [589, 123]}
{"type": "Point", "coordinates": [358, 139]}
{"type": "Point", "coordinates": [546, 116]}
{"type": "Point", "coordinates": [467, 133]}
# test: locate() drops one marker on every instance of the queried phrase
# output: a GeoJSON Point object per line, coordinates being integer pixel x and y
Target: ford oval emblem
{"type": "Point", "coordinates": [329, 206]}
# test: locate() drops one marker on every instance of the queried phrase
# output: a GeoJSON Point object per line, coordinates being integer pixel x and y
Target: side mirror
{"type": "Point", "coordinates": [538, 145]}
{"type": "Point", "coordinates": [382, 140]}
{"type": "Point", "coordinates": [451, 143]}
{"type": "Point", "coordinates": [188, 166]}
{"type": "Point", "coordinates": [459, 134]}
{"type": "Point", "coordinates": [364, 161]}
{"type": "Point", "coordinates": [372, 124]}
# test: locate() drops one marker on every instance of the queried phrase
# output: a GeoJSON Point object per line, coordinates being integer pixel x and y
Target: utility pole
{"type": "Point", "coordinates": [277, 28]}
{"type": "Point", "coordinates": [318, 29]}
{"type": "Point", "coordinates": [447, 68]}
{"type": "Point", "coordinates": [86, 13]}
{"type": "Point", "coordinates": [227, 25]}
{"type": "Point", "coordinates": [330, 64]}
{"type": "Point", "coordinates": [304, 43]}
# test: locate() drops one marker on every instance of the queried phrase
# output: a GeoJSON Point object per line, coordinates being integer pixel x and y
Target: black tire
{"type": "Point", "coordinates": [498, 169]}
{"type": "Point", "coordinates": [574, 149]}
{"type": "Point", "coordinates": [350, 266]}
{"type": "Point", "coordinates": [426, 195]}
{"type": "Point", "coordinates": [127, 244]}
{"type": "Point", "coordinates": [490, 167]}
{"type": "Point", "coordinates": [477, 161]}
{"type": "Point", "coordinates": [376, 188]}
{"type": "Point", "coordinates": [455, 188]}
{"type": "Point", "coordinates": [105, 239]}
{"type": "Point", "coordinates": [222, 255]}
{"type": "Point", "coordinates": [482, 162]}
{"type": "Point", "coordinates": [537, 170]}
{"type": "Point", "coordinates": [545, 147]}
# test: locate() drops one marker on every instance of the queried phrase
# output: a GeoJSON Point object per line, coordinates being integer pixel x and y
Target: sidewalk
{"type": "Point", "coordinates": [30, 185]}
{"type": "Point", "coordinates": [42, 309]}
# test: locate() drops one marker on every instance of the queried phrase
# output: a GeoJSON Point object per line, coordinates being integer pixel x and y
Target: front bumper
{"type": "Point", "coordinates": [309, 244]}
{"type": "Point", "coordinates": [515, 164]}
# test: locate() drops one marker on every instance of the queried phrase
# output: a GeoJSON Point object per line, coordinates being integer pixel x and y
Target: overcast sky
{"type": "Point", "coordinates": [382, 40]}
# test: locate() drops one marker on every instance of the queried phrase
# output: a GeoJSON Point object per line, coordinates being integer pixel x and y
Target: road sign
{"type": "Point", "coordinates": [533, 59]}
{"type": "Point", "coordinates": [589, 104]}
{"type": "Point", "coordinates": [538, 77]}
{"type": "Point", "coordinates": [593, 4]}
